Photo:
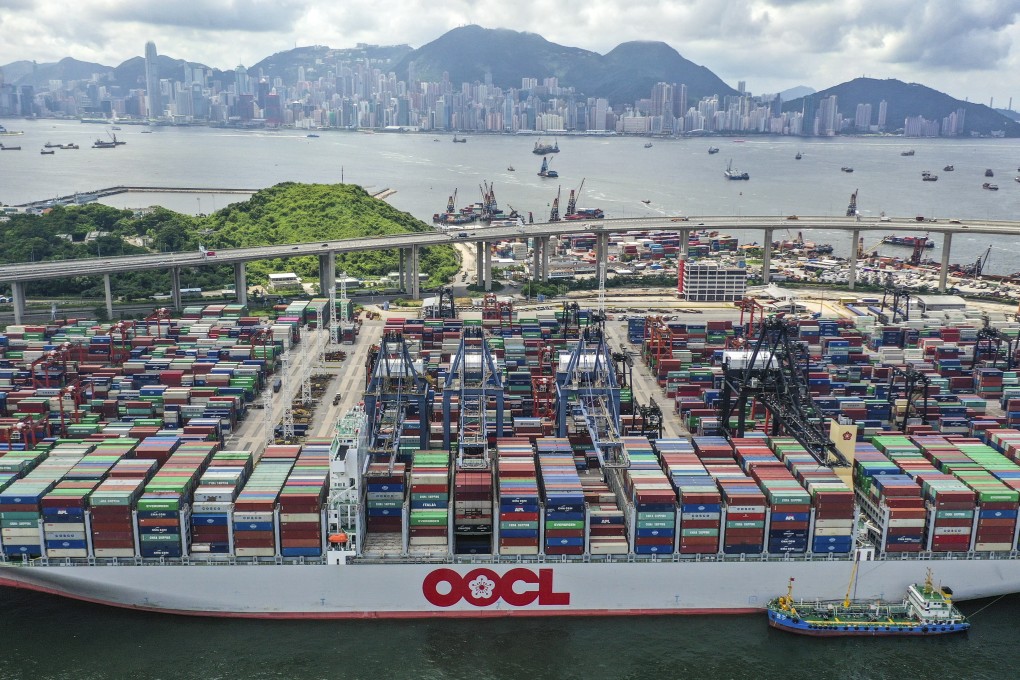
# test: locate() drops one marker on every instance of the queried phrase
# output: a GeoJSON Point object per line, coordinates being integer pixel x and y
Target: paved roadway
{"type": "Point", "coordinates": [98, 266]}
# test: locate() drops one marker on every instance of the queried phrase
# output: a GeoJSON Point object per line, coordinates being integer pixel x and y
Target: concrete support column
{"type": "Point", "coordinates": [18, 293]}
{"type": "Point", "coordinates": [766, 265]}
{"type": "Point", "coordinates": [107, 288]}
{"type": "Point", "coordinates": [947, 243]}
{"type": "Point", "coordinates": [488, 267]}
{"type": "Point", "coordinates": [327, 273]}
{"type": "Point", "coordinates": [601, 250]}
{"type": "Point", "coordinates": [852, 277]}
{"type": "Point", "coordinates": [545, 259]}
{"type": "Point", "coordinates": [415, 273]}
{"type": "Point", "coordinates": [479, 263]}
{"type": "Point", "coordinates": [536, 262]}
{"type": "Point", "coordinates": [401, 280]}
{"type": "Point", "coordinates": [240, 283]}
{"type": "Point", "coordinates": [175, 287]}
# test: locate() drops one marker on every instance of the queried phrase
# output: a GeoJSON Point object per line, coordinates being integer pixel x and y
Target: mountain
{"type": "Point", "coordinates": [37, 75]}
{"type": "Point", "coordinates": [315, 60]}
{"type": "Point", "coordinates": [909, 99]}
{"type": "Point", "coordinates": [626, 74]}
{"type": "Point", "coordinates": [796, 92]}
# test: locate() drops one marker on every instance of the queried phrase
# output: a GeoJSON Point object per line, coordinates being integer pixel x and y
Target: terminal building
{"type": "Point", "coordinates": [707, 281]}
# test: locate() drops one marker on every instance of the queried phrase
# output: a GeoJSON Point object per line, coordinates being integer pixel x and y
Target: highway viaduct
{"type": "Point", "coordinates": [409, 245]}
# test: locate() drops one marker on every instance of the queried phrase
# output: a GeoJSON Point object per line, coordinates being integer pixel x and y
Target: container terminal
{"type": "Point", "coordinates": [507, 460]}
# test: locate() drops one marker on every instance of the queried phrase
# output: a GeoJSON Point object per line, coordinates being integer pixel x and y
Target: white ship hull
{"type": "Point", "coordinates": [560, 589]}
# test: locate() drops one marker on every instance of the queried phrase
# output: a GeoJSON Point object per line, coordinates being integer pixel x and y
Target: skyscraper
{"type": "Point", "coordinates": [153, 97]}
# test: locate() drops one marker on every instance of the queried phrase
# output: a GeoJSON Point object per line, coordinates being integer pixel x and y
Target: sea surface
{"type": "Point", "coordinates": [44, 637]}
{"type": "Point", "coordinates": [676, 176]}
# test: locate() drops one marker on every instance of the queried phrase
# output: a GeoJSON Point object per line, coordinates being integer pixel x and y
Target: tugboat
{"type": "Point", "coordinates": [735, 174]}
{"type": "Point", "coordinates": [926, 610]}
{"type": "Point", "coordinates": [948, 168]}
{"type": "Point", "coordinates": [798, 156]}
{"type": "Point", "coordinates": [545, 171]}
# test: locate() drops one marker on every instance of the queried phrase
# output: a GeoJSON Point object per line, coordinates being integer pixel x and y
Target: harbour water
{"type": "Point", "coordinates": [675, 176]}
{"type": "Point", "coordinates": [46, 637]}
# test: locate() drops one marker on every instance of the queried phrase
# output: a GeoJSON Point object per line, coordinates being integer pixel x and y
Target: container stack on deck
{"type": "Point", "coordinates": [563, 498]}
{"type": "Point", "coordinates": [385, 492]}
{"type": "Point", "coordinates": [519, 512]}
{"type": "Point", "coordinates": [653, 499]}
{"type": "Point", "coordinates": [255, 510]}
{"type": "Point", "coordinates": [430, 500]}
{"type": "Point", "coordinates": [301, 503]}
{"type": "Point", "coordinates": [214, 501]}
{"type": "Point", "coordinates": [472, 511]}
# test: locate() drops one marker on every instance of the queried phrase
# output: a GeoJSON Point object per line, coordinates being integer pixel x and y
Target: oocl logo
{"type": "Point", "coordinates": [517, 587]}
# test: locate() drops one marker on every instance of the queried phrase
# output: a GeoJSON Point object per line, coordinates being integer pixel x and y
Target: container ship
{"type": "Point", "coordinates": [501, 464]}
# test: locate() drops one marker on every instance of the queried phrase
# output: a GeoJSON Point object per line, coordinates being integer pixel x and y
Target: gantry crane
{"type": "Point", "coordinates": [770, 373]}
{"type": "Point", "coordinates": [989, 347]}
{"type": "Point", "coordinates": [588, 395]}
{"type": "Point", "coordinates": [554, 214]}
{"type": "Point", "coordinates": [475, 380]}
{"type": "Point", "coordinates": [395, 392]}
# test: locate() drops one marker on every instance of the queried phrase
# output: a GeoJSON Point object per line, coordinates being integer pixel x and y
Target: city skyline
{"type": "Point", "coordinates": [969, 52]}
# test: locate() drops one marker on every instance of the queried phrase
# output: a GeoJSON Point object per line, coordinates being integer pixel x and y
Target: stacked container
{"type": "Point", "coordinates": [430, 500]}
{"type": "Point", "coordinates": [472, 511]}
{"type": "Point", "coordinates": [63, 514]}
{"type": "Point", "coordinates": [301, 501]}
{"type": "Point", "coordinates": [214, 501]}
{"type": "Point", "coordinates": [654, 502]}
{"type": "Point", "coordinates": [519, 512]}
{"type": "Point", "coordinates": [111, 511]}
{"type": "Point", "coordinates": [254, 519]}
{"type": "Point", "coordinates": [563, 498]}
{"type": "Point", "coordinates": [384, 498]}
{"type": "Point", "coordinates": [607, 529]}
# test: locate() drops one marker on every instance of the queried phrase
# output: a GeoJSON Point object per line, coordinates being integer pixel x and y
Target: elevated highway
{"type": "Point", "coordinates": [409, 244]}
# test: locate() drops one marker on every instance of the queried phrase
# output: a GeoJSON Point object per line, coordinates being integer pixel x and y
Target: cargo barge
{"type": "Point", "coordinates": [497, 467]}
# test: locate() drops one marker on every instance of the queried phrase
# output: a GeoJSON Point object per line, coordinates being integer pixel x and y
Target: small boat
{"type": "Point", "coordinates": [645, 201]}
{"type": "Point", "coordinates": [510, 168]}
{"type": "Point", "coordinates": [648, 145]}
{"type": "Point", "coordinates": [115, 127]}
{"type": "Point", "coordinates": [4, 131]}
{"type": "Point", "coordinates": [948, 168]}
{"type": "Point", "coordinates": [989, 173]}
{"type": "Point", "coordinates": [1017, 178]}
{"type": "Point", "coordinates": [435, 140]}
{"type": "Point", "coordinates": [990, 187]}
{"type": "Point", "coordinates": [70, 146]}
{"type": "Point", "coordinates": [146, 132]}
{"type": "Point", "coordinates": [461, 140]}
{"type": "Point", "coordinates": [847, 168]}
{"type": "Point", "coordinates": [907, 153]}
{"type": "Point", "coordinates": [798, 156]}
{"type": "Point", "coordinates": [47, 152]}
{"type": "Point", "coordinates": [50, 145]}
{"type": "Point", "coordinates": [9, 148]}
{"type": "Point", "coordinates": [544, 149]}
{"type": "Point", "coordinates": [103, 144]}
{"type": "Point", "coordinates": [713, 149]}
{"type": "Point", "coordinates": [926, 610]}
{"type": "Point", "coordinates": [928, 177]}
{"type": "Point", "coordinates": [313, 135]}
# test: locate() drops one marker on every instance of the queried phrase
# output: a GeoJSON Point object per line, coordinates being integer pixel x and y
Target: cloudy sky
{"type": "Point", "coordinates": [968, 48]}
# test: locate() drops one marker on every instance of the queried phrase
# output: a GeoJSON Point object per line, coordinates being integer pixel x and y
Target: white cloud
{"type": "Point", "coordinates": [964, 48]}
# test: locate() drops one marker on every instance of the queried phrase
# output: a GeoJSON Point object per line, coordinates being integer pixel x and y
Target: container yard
{"type": "Point", "coordinates": [503, 437]}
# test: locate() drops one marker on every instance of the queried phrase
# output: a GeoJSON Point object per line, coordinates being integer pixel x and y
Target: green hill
{"type": "Point", "coordinates": [285, 213]}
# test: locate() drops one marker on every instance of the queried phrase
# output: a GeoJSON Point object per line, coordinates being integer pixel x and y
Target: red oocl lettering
{"type": "Point", "coordinates": [482, 587]}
